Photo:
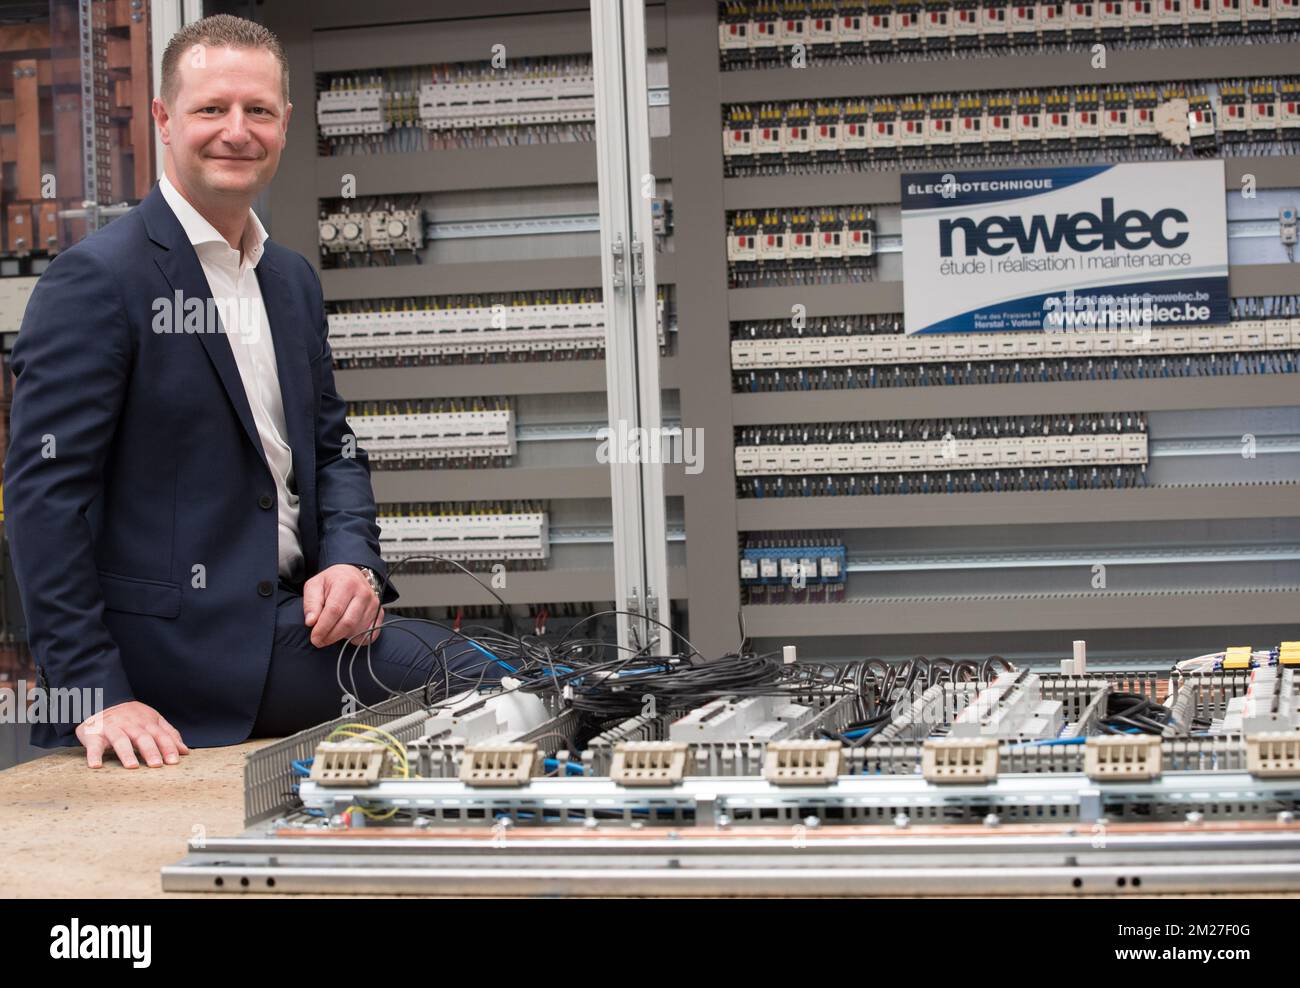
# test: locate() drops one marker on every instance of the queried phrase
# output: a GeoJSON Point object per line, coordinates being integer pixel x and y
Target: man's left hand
{"type": "Point", "coordinates": [338, 603]}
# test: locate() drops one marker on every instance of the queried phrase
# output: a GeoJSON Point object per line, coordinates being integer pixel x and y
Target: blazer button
{"type": "Point", "coordinates": [265, 588]}
{"type": "Point", "coordinates": [265, 501]}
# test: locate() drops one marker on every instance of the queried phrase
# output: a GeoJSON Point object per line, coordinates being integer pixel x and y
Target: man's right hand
{"type": "Point", "coordinates": [129, 727]}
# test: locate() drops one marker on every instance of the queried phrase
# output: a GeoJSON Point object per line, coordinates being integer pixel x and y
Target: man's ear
{"type": "Point", "coordinates": [161, 119]}
{"type": "Point", "coordinates": [288, 111]}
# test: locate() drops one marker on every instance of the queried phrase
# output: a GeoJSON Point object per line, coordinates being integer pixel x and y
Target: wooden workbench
{"type": "Point", "coordinates": [66, 830]}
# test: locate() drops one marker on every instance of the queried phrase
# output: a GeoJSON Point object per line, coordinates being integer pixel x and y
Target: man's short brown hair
{"type": "Point", "coordinates": [219, 31]}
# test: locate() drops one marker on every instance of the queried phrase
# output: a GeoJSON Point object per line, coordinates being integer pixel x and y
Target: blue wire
{"type": "Point", "coordinates": [861, 732]}
{"type": "Point", "coordinates": [1051, 742]}
{"type": "Point", "coordinates": [302, 766]}
{"type": "Point", "coordinates": [572, 768]}
{"type": "Point", "coordinates": [503, 665]}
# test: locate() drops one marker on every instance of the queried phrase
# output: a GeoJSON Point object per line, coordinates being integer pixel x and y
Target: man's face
{"type": "Point", "coordinates": [227, 123]}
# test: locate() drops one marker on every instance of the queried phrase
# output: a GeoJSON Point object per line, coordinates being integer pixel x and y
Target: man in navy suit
{"type": "Point", "coordinates": [192, 525]}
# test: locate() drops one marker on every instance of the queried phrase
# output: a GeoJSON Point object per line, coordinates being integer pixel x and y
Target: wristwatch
{"type": "Point", "coordinates": [373, 580]}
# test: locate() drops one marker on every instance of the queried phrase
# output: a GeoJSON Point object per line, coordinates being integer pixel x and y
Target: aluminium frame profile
{"type": "Point", "coordinates": [628, 287]}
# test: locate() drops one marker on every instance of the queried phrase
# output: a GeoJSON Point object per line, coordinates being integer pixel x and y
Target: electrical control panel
{"type": "Point", "coordinates": [986, 512]}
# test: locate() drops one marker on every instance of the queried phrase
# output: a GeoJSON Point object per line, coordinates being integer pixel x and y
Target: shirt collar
{"type": "Point", "coordinates": [200, 231]}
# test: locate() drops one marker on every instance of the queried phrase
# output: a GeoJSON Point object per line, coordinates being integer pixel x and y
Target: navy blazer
{"type": "Point", "coordinates": [140, 509]}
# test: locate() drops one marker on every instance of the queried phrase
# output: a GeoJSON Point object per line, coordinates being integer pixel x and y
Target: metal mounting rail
{"type": "Point", "coordinates": [766, 861]}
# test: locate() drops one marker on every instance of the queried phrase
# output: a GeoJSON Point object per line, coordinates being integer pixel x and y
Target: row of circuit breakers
{"type": "Point", "coordinates": [872, 351]}
{"type": "Point", "coordinates": [541, 99]}
{"type": "Point", "coordinates": [802, 244]}
{"type": "Point", "coordinates": [1113, 445]}
{"type": "Point", "coordinates": [514, 533]}
{"type": "Point", "coordinates": [768, 32]}
{"type": "Point", "coordinates": [963, 444]}
{"type": "Point", "coordinates": [1154, 120]}
{"type": "Point", "coordinates": [431, 432]}
{"type": "Point", "coordinates": [862, 341]}
{"type": "Point", "coordinates": [440, 432]}
{"type": "Point", "coordinates": [476, 328]}
{"type": "Point", "coordinates": [528, 92]}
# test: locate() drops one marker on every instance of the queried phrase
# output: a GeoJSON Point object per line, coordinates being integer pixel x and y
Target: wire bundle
{"type": "Point", "coordinates": [1132, 713]}
{"type": "Point", "coordinates": [606, 682]}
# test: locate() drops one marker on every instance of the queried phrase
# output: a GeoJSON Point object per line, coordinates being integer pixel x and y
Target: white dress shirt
{"type": "Point", "coordinates": [238, 297]}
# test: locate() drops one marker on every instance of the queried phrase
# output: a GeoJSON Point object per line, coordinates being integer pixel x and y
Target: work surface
{"type": "Point", "coordinates": [68, 831]}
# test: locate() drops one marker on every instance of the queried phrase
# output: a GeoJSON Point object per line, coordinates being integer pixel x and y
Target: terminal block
{"type": "Point", "coordinates": [751, 718]}
{"type": "Point", "coordinates": [1273, 754]}
{"type": "Point", "coordinates": [470, 719]}
{"type": "Point", "coordinates": [649, 763]}
{"type": "Point", "coordinates": [960, 759]}
{"type": "Point", "coordinates": [802, 763]}
{"type": "Point", "coordinates": [1268, 705]}
{"type": "Point", "coordinates": [349, 763]}
{"type": "Point", "coordinates": [1122, 758]}
{"type": "Point", "coordinates": [510, 764]}
{"type": "Point", "coordinates": [1012, 706]}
